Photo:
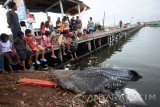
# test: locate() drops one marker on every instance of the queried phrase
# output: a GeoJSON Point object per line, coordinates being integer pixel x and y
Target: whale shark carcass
{"type": "Point", "coordinates": [95, 80]}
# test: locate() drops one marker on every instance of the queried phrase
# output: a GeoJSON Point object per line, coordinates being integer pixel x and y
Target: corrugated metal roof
{"type": "Point", "coordinates": [69, 6]}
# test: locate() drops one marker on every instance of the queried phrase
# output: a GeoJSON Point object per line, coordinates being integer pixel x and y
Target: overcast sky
{"type": "Point", "coordinates": [141, 10]}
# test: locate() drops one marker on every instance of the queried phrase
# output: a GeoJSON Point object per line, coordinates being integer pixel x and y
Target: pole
{"type": "Point", "coordinates": [83, 13]}
{"type": "Point", "coordinates": [131, 19]}
{"type": "Point", "coordinates": [103, 21]}
{"type": "Point", "coordinates": [114, 20]}
{"type": "Point", "coordinates": [46, 13]}
{"type": "Point", "coordinates": [30, 25]}
{"type": "Point", "coordinates": [61, 6]}
{"type": "Point", "coordinates": [79, 11]}
{"type": "Point", "coordinates": [6, 3]}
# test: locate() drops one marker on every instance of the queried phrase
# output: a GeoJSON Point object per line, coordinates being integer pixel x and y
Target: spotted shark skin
{"type": "Point", "coordinates": [95, 80]}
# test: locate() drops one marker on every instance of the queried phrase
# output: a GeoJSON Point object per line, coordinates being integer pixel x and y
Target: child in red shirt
{"type": "Point", "coordinates": [32, 43]}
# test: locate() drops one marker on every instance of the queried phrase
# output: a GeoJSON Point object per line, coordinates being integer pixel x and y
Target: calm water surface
{"type": "Point", "coordinates": [141, 52]}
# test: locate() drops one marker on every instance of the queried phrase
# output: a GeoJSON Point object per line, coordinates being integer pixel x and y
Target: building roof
{"type": "Point", "coordinates": [69, 6]}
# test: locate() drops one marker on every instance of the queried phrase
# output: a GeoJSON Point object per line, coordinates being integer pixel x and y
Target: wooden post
{"type": "Point", "coordinates": [89, 46]}
{"type": "Point", "coordinates": [109, 37]}
{"type": "Point", "coordinates": [99, 42]}
{"type": "Point", "coordinates": [114, 37]}
{"type": "Point", "coordinates": [6, 3]}
{"type": "Point", "coordinates": [94, 42]}
{"type": "Point", "coordinates": [103, 21]}
{"type": "Point", "coordinates": [119, 36]}
{"type": "Point", "coordinates": [125, 34]}
{"type": "Point", "coordinates": [61, 7]}
{"type": "Point", "coordinates": [79, 11]}
{"type": "Point", "coordinates": [60, 55]}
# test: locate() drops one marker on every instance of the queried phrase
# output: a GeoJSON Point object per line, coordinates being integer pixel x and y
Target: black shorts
{"type": "Point", "coordinates": [73, 49]}
{"type": "Point", "coordinates": [23, 54]}
{"type": "Point", "coordinates": [62, 32]}
{"type": "Point", "coordinates": [11, 58]}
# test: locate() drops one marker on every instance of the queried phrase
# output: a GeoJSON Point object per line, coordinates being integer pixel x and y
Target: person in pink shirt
{"type": "Point", "coordinates": [47, 43]}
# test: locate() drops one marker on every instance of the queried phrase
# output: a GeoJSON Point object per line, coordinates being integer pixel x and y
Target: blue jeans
{"type": "Point", "coordinates": [1, 62]}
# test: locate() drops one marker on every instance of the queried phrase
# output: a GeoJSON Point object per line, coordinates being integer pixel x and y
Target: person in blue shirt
{"type": "Point", "coordinates": [90, 27]}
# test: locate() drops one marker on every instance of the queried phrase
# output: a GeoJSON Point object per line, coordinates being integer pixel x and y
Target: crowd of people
{"type": "Point", "coordinates": [65, 33]}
